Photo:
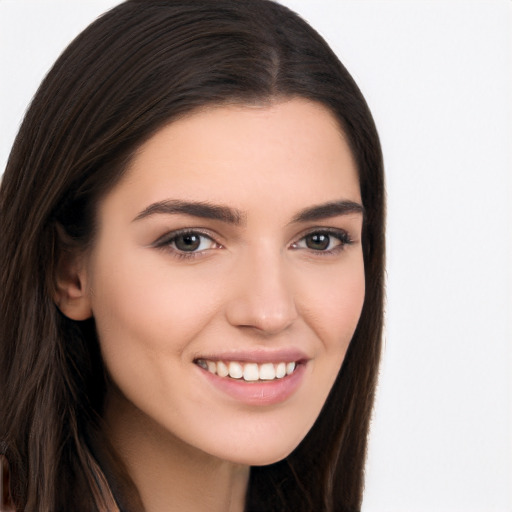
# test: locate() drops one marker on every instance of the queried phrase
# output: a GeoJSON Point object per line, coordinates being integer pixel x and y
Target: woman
{"type": "Point", "coordinates": [191, 268]}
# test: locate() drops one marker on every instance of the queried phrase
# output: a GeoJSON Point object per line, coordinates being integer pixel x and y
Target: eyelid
{"type": "Point", "coordinates": [164, 242]}
{"type": "Point", "coordinates": [341, 234]}
{"type": "Point", "coordinates": [171, 235]}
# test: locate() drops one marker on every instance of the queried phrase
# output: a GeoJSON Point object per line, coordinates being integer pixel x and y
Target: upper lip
{"type": "Point", "coordinates": [258, 356]}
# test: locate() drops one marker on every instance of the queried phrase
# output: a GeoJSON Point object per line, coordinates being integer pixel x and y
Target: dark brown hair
{"type": "Point", "coordinates": [139, 66]}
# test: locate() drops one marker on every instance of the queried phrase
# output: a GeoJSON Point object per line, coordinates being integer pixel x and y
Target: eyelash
{"type": "Point", "coordinates": [166, 241]}
{"type": "Point", "coordinates": [343, 237]}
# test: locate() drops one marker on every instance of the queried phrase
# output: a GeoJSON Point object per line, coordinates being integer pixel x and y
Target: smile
{"type": "Point", "coordinates": [249, 372]}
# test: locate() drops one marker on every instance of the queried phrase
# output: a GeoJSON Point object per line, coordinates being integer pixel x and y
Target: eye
{"type": "Point", "coordinates": [191, 242]}
{"type": "Point", "coordinates": [326, 241]}
{"type": "Point", "coordinates": [187, 242]}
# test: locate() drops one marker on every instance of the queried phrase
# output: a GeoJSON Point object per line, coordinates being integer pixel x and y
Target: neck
{"type": "Point", "coordinates": [168, 473]}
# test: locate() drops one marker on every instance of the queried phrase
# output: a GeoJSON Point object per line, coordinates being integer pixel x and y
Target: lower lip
{"type": "Point", "coordinates": [260, 392]}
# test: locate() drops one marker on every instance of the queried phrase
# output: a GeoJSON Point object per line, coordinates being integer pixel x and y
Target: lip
{"type": "Point", "coordinates": [259, 393]}
{"type": "Point", "coordinates": [257, 356]}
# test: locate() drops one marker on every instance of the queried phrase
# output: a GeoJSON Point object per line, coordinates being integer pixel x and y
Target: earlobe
{"type": "Point", "coordinates": [71, 294]}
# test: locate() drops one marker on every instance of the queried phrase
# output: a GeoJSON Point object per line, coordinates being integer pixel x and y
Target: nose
{"type": "Point", "coordinates": [262, 297]}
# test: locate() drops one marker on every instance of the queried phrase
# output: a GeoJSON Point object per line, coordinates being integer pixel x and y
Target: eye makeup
{"type": "Point", "coordinates": [189, 243]}
{"type": "Point", "coordinates": [323, 241]}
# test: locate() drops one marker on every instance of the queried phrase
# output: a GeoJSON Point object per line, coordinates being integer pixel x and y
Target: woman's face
{"type": "Point", "coordinates": [231, 245]}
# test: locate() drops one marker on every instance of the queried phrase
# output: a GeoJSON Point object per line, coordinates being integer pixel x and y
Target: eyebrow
{"type": "Point", "coordinates": [329, 210]}
{"type": "Point", "coordinates": [233, 216]}
{"type": "Point", "coordinates": [196, 209]}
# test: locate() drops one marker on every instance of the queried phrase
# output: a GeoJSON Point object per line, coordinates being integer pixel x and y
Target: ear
{"type": "Point", "coordinates": [71, 295]}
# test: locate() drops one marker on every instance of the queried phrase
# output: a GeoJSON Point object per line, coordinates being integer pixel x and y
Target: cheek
{"type": "Point", "coordinates": [147, 314]}
{"type": "Point", "coordinates": [332, 311]}
{"type": "Point", "coordinates": [144, 300]}
{"type": "Point", "coordinates": [332, 306]}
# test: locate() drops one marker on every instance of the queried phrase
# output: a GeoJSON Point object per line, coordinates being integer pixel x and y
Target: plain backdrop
{"type": "Point", "coordinates": [438, 78]}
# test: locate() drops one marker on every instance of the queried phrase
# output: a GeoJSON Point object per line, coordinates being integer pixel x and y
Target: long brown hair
{"type": "Point", "coordinates": [139, 66]}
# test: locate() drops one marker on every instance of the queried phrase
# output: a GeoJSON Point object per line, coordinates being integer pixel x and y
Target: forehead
{"type": "Point", "coordinates": [242, 153]}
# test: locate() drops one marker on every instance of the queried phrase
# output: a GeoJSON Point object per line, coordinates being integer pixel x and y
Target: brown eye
{"type": "Point", "coordinates": [318, 241]}
{"type": "Point", "coordinates": [187, 242]}
{"type": "Point", "coordinates": [324, 241]}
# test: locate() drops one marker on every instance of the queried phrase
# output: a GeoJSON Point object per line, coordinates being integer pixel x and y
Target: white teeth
{"type": "Point", "coordinates": [281, 370]}
{"type": "Point", "coordinates": [267, 371]}
{"type": "Point", "coordinates": [222, 369]}
{"type": "Point", "coordinates": [249, 372]}
{"type": "Point", "coordinates": [290, 367]}
{"type": "Point", "coordinates": [235, 370]}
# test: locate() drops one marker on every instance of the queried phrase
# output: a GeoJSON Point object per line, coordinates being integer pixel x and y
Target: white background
{"type": "Point", "coordinates": [438, 78]}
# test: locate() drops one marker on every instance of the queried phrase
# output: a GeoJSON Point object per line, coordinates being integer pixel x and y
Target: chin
{"type": "Point", "coordinates": [258, 453]}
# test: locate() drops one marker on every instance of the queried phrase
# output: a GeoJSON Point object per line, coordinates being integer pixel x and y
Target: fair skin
{"type": "Point", "coordinates": [268, 276]}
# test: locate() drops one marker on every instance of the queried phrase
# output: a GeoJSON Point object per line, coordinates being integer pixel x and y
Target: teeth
{"type": "Point", "coordinates": [235, 370]}
{"type": "Point", "coordinates": [267, 371]}
{"type": "Point", "coordinates": [249, 372]}
{"type": "Point", "coordinates": [281, 370]}
{"type": "Point", "coordinates": [203, 364]}
{"type": "Point", "coordinates": [222, 369]}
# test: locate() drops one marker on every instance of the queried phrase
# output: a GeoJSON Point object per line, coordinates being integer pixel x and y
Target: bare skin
{"type": "Point", "coordinates": [234, 239]}
{"type": "Point", "coordinates": [195, 480]}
